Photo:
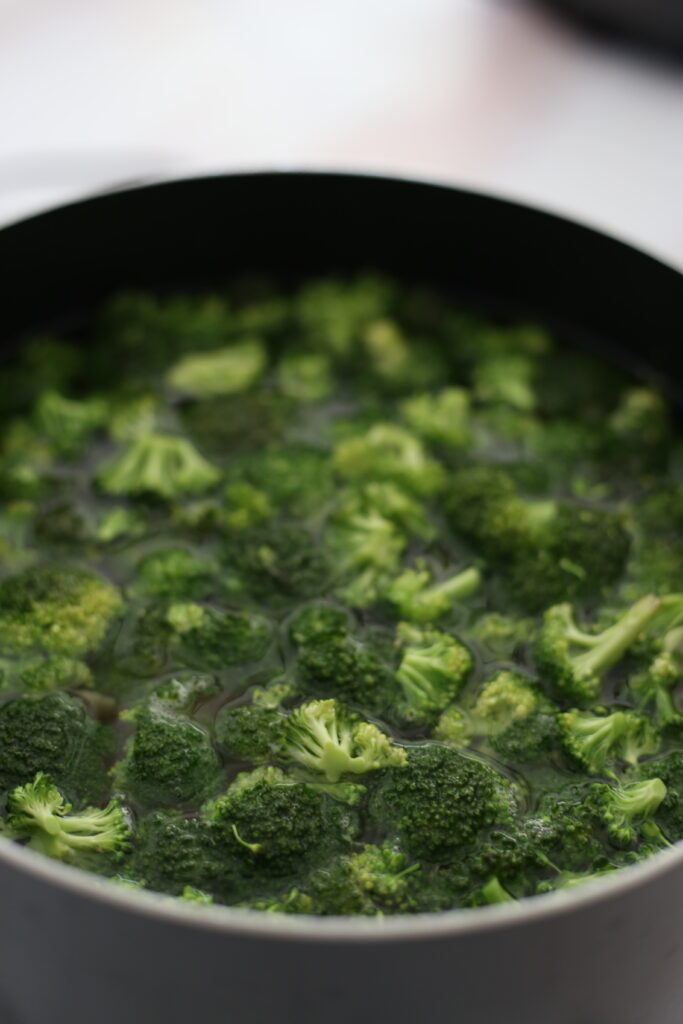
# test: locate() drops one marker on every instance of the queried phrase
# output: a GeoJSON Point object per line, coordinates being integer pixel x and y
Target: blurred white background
{"type": "Point", "coordinates": [485, 93]}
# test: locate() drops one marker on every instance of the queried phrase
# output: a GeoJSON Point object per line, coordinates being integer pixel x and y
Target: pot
{"type": "Point", "coordinates": [74, 947]}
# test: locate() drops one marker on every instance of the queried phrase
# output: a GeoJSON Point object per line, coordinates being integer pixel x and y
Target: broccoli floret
{"type": "Point", "coordinates": [250, 732]}
{"type": "Point", "coordinates": [131, 416]}
{"type": "Point", "coordinates": [641, 420]}
{"type": "Point", "coordinates": [374, 881]}
{"type": "Point", "coordinates": [389, 452]}
{"type": "Point", "coordinates": [292, 902]}
{"type": "Point", "coordinates": [324, 738]}
{"type": "Point", "coordinates": [443, 418]}
{"type": "Point", "coordinates": [365, 549]}
{"type": "Point", "coordinates": [276, 694]}
{"type": "Point", "coordinates": [441, 801]}
{"type": "Point", "coordinates": [40, 675]}
{"type": "Point", "coordinates": [506, 377]}
{"type": "Point", "coordinates": [120, 523]}
{"type": "Point", "coordinates": [243, 424]}
{"type": "Point", "coordinates": [518, 722]}
{"type": "Point", "coordinates": [246, 506]}
{"type": "Point", "coordinates": [597, 741]}
{"type": "Point", "coordinates": [305, 376]}
{"type": "Point", "coordinates": [576, 661]}
{"type": "Point", "coordinates": [53, 734]}
{"type": "Point", "coordinates": [38, 811]}
{"type": "Point", "coordinates": [223, 371]}
{"type": "Point", "coordinates": [669, 814]}
{"type": "Point", "coordinates": [274, 826]}
{"type": "Point", "coordinates": [184, 692]}
{"type": "Point", "coordinates": [296, 478]}
{"type": "Point", "coordinates": [332, 313]}
{"type": "Point", "coordinates": [171, 852]}
{"type": "Point", "coordinates": [502, 635]}
{"type": "Point", "coordinates": [168, 760]}
{"type": "Point", "coordinates": [209, 640]}
{"type": "Point", "coordinates": [388, 500]}
{"type": "Point", "coordinates": [626, 808]}
{"type": "Point", "coordinates": [279, 563]}
{"type": "Point", "coordinates": [160, 465]}
{"type": "Point", "coordinates": [419, 600]}
{"type": "Point", "coordinates": [342, 667]}
{"type": "Point", "coordinates": [453, 728]}
{"type": "Point", "coordinates": [434, 667]}
{"type": "Point", "coordinates": [173, 573]}
{"type": "Point", "coordinates": [56, 608]}
{"type": "Point", "coordinates": [653, 687]}
{"type": "Point", "coordinates": [196, 896]}
{"type": "Point", "coordinates": [318, 620]}
{"type": "Point", "coordinates": [67, 423]}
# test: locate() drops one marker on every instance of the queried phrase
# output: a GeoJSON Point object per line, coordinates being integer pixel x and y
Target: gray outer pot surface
{"type": "Point", "coordinates": [75, 949]}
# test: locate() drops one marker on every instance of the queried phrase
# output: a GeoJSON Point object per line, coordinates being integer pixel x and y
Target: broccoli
{"type": "Point", "coordinates": [625, 808]}
{"type": "Point", "coordinates": [276, 694]}
{"type": "Point", "coordinates": [318, 620]}
{"type": "Point", "coordinates": [196, 896]}
{"type": "Point", "coordinates": [333, 313]}
{"type": "Point", "coordinates": [326, 739]}
{"type": "Point", "coordinates": [502, 635]}
{"type": "Point", "coordinates": [160, 465]}
{"type": "Point", "coordinates": [247, 506]}
{"type": "Point", "coordinates": [518, 722]}
{"type": "Point", "coordinates": [641, 420]}
{"type": "Point", "coordinates": [340, 666]}
{"type": "Point", "coordinates": [39, 675]}
{"type": "Point", "coordinates": [173, 574]}
{"type": "Point", "coordinates": [576, 661]}
{"type": "Point", "coordinates": [506, 377]}
{"type": "Point", "coordinates": [273, 825]}
{"type": "Point", "coordinates": [372, 882]}
{"type": "Point", "coordinates": [120, 523]}
{"type": "Point", "coordinates": [67, 423]}
{"type": "Point", "coordinates": [249, 732]}
{"type": "Point", "coordinates": [441, 801]}
{"type": "Point", "coordinates": [292, 902]}
{"type": "Point", "coordinates": [52, 733]}
{"type": "Point", "coordinates": [131, 416]}
{"type": "Point", "coordinates": [55, 608]}
{"type": "Point", "coordinates": [453, 728]}
{"type": "Point", "coordinates": [305, 376]}
{"type": "Point", "coordinates": [654, 686]}
{"type": "Point", "coordinates": [171, 852]}
{"type": "Point", "coordinates": [184, 692]}
{"type": "Point", "coordinates": [492, 892]}
{"type": "Point", "coordinates": [389, 453]}
{"type": "Point", "coordinates": [434, 667]}
{"type": "Point", "coordinates": [295, 479]}
{"type": "Point", "coordinates": [168, 760]}
{"type": "Point", "coordinates": [388, 500]}
{"type": "Point", "coordinates": [37, 811]}
{"type": "Point", "coordinates": [669, 814]}
{"type": "Point", "coordinates": [596, 741]}
{"type": "Point", "coordinates": [365, 549]}
{"type": "Point", "coordinates": [243, 424]}
{"type": "Point", "coordinates": [207, 639]}
{"type": "Point", "coordinates": [278, 564]}
{"type": "Point", "coordinates": [223, 371]}
{"type": "Point", "coordinates": [419, 601]}
{"type": "Point", "coordinates": [443, 418]}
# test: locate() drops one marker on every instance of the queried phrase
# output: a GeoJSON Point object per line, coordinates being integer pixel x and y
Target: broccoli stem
{"type": "Point", "coordinates": [608, 647]}
{"type": "Point", "coordinates": [457, 587]}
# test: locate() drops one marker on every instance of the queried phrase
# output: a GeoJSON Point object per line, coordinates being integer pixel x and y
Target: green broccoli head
{"type": "Point", "coordinates": [207, 639]}
{"type": "Point", "coordinates": [518, 722]}
{"type": "Point", "coordinates": [249, 732]}
{"type": "Point", "coordinates": [274, 826]}
{"type": "Point", "coordinates": [598, 741]}
{"type": "Point", "coordinates": [316, 620]}
{"type": "Point", "coordinates": [168, 760]}
{"type": "Point", "coordinates": [56, 608]}
{"type": "Point", "coordinates": [160, 465]}
{"type": "Point", "coordinates": [333, 313]}
{"type": "Point", "coordinates": [342, 667]}
{"type": "Point", "coordinates": [654, 687]}
{"type": "Point", "coordinates": [625, 808]}
{"type": "Point", "coordinates": [305, 376]}
{"type": "Point", "coordinates": [506, 377]}
{"type": "Point", "coordinates": [441, 801]}
{"type": "Point", "coordinates": [389, 453]}
{"type": "Point", "coordinates": [278, 564]}
{"type": "Point", "coordinates": [40, 674]}
{"type": "Point", "coordinates": [67, 423]}
{"type": "Point", "coordinates": [173, 574]}
{"type": "Point", "coordinates": [296, 479]}
{"type": "Point", "coordinates": [434, 667]}
{"type": "Point", "coordinates": [37, 811]}
{"type": "Point", "coordinates": [502, 635]}
{"type": "Point", "coordinates": [53, 734]}
{"type": "Point", "coordinates": [171, 852]}
{"type": "Point", "coordinates": [442, 419]}
{"type": "Point", "coordinates": [325, 739]}
{"type": "Point", "coordinates": [576, 661]}
{"type": "Point", "coordinates": [222, 371]}
{"type": "Point", "coordinates": [419, 600]}
{"type": "Point", "coordinates": [374, 881]}
{"type": "Point", "coordinates": [364, 548]}
{"type": "Point", "coordinates": [669, 813]}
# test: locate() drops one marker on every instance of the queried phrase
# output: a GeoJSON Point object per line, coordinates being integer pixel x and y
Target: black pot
{"type": "Point", "coordinates": [73, 947]}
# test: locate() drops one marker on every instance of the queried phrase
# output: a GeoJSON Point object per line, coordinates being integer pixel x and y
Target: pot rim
{"type": "Point", "coordinates": [352, 929]}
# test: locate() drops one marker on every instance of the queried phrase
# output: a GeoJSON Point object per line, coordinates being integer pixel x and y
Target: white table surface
{"type": "Point", "coordinates": [484, 93]}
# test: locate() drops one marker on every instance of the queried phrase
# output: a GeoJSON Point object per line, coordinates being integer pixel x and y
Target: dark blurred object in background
{"type": "Point", "coordinates": [653, 22]}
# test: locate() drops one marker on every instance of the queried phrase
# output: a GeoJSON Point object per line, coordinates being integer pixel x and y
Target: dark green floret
{"type": "Point", "coordinates": [54, 734]}
{"type": "Point", "coordinates": [249, 732]}
{"type": "Point", "coordinates": [171, 852]}
{"type": "Point", "coordinates": [279, 564]}
{"type": "Point", "coordinates": [209, 640]}
{"type": "Point", "coordinates": [173, 574]}
{"type": "Point", "coordinates": [441, 801]}
{"type": "Point", "coordinates": [343, 667]}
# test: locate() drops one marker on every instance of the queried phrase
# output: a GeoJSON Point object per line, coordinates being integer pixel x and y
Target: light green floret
{"type": "Point", "coordinates": [655, 685]}
{"type": "Point", "coordinates": [576, 661]}
{"type": "Point", "coordinates": [389, 452]}
{"type": "Point", "coordinates": [506, 378]}
{"type": "Point", "coordinates": [507, 698]}
{"type": "Point", "coordinates": [453, 728]}
{"type": "Point", "coordinates": [596, 741]}
{"type": "Point", "coordinates": [433, 669]}
{"type": "Point", "coordinates": [196, 896]}
{"type": "Point", "coordinates": [365, 549]}
{"type": "Point", "coordinates": [247, 506]}
{"type": "Point", "coordinates": [224, 371]}
{"type": "Point", "coordinates": [324, 738]}
{"type": "Point", "coordinates": [419, 600]}
{"type": "Point", "coordinates": [69, 423]}
{"type": "Point", "coordinates": [305, 376]}
{"type": "Point", "coordinates": [443, 418]}
{"type": "Point", "coordinates": [625, 808]}
{"type": "Point", "coordinates": [159, 464]}
{"type": "Point", "coordinates": [37, 811]}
